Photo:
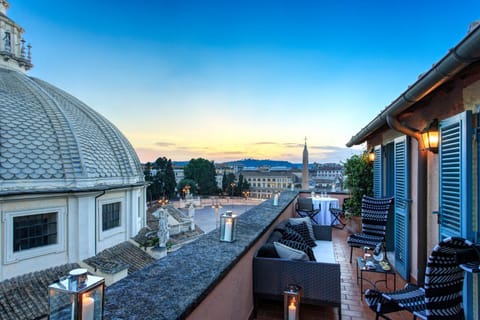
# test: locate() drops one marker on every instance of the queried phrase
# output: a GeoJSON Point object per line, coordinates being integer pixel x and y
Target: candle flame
{"type": "Point", "coordinates": [293, 302]}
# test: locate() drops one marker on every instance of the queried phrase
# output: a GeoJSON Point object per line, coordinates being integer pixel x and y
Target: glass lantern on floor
{"type": "Point", "coordinates": [78, 296]}
{"type": "Point", "coordinates": [291, 302]}
{"type": "Point", "coordinates": [228, 227]}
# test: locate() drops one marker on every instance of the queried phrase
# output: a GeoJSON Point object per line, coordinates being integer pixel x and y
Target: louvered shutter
{"type": "Point", "coordinates": [455, 162]}
{"type": "Point", "coordinates": [455, 198]}
{"type": "Point", "coordinates": [378, 173]}
{"type": "Point", "coordinates": [402, 206]}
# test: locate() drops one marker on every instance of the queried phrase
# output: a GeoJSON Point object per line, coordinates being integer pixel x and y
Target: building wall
{"type": "Point", "coordinates": [232, 297]}
{"type": "Point", "coordinates": [79, 227]}
{"type": "Point", "coordinates": [37, 258]}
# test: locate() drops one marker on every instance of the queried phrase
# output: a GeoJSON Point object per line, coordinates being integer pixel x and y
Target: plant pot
{"type": "Point", "coordinates": [354, 224]}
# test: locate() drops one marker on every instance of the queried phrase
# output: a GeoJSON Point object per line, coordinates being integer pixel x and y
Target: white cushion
{"type": "Point", "coordinates": [285, 252]}
{"type": "Point", "coordinates": [323, 251]}
{"type": "Point", "coordinates": [295, 221]}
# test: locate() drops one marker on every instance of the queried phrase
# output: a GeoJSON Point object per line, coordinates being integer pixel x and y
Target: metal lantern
{"type": "Point", "coordinates": [430, 137]}
{"type": "Point", "coordinates": [228, 227]}
{"type": "Point", "coordinates": [78, 296]}
{"type": "Point", "coordinates": [291, 302]}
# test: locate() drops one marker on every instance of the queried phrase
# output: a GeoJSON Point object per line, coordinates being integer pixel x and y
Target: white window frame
{"type": "Point", "coordinates": [110, 232]}
{"type": "Point", "coordinates": [60, 246]}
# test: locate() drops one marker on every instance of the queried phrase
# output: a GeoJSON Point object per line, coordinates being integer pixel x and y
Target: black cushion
{"type": "Point", "coordinates": [281, 225]}
{"type": "Point", "coordinates": [267, 250]}
{"type": "Point", "coordinates": [302, 230]}
{"type": "Point", "coordinates": [299, 246]}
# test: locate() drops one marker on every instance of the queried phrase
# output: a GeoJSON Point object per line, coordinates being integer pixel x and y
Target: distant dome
{"type": "Point", "coordinates": [51, 141]}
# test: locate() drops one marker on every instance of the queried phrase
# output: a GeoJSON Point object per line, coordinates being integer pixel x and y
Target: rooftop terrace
{"type": "Point", "coordinates": [209, 279]}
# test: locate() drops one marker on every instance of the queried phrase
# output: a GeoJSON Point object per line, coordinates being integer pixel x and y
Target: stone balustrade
{"type": "Point", "coordinates": [205, 279]}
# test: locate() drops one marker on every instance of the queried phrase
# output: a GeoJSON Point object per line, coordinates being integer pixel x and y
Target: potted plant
{"type": "Point", "coordinates": [358, 181]}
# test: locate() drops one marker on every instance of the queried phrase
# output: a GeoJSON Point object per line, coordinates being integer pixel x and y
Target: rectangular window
{"type": "Point", "coordinates": [111, 215]}
{"type": "Point", "coordinates": [32, 231]}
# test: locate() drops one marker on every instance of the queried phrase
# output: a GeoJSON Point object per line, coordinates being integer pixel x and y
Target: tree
{"type": "Point", "coordinates": [358, 180]}
{"type": "Point", "coordinates": [170, 182]}
{"type": "Point", "coordinates": [229, 184]}
{"type": "Point", "coordinates": [225, 183]}
{"type": "Point", "coordinates": [187, 184]}
{"type": "Point", "coordinates": [242, 185]}
{"type": "Point", "coordinates": [163, 181]}
{"type": "Point", "coordinates": [203, 173]}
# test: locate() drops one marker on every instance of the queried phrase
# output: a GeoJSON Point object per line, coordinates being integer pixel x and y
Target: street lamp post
{"type": "Point", "coordinates": [216, 205]}
{"type": "Point", "coordinates": [233, 186]}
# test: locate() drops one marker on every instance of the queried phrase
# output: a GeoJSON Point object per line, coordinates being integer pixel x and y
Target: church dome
{"type": "Point", "coordinates": [50, 140]}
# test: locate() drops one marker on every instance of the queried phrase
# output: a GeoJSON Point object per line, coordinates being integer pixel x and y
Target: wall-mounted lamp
{"type": "Point", "coordinates": [371, 155]}
{"type": "Point", "coordinates": [430, 136]}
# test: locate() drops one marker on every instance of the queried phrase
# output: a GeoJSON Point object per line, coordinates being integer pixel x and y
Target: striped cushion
{"type": "Point", "coordinates": [374, 222]}
{"type": "Point", "coordinates": [441, 298]}
{"type": "Point", "coordinates": [302, 230]}
{"type": "Point", "coordinates": [290, 234]}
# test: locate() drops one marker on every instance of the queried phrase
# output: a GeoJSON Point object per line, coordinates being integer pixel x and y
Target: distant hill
{"type": "Point", "coordinates": [265, 162]}
{"type": "Point", "coordinates": [252, 163]}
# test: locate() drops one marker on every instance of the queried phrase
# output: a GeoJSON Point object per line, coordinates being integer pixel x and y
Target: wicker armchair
{"type": "Point", "coordinates": [440, 298]}
{"type": "Point", "coordinates": [374, 223]}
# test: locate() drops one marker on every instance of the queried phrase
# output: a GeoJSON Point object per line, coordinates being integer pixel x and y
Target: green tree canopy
{"type": "Point", "coordinates": [358, 180]}
{"type": "Point", "coordinates": [229, 184]}
{"type": "Point", "coordinates": [242, 185]}
{"type": "Point", "coordinates": [163, 181]}
{"type": "Point", "coordinates": [189, 184]}
{"type": "Point", "coordinates": [203, 173]}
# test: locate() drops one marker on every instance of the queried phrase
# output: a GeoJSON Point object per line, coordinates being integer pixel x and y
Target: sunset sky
{"type": "Point", "coordinates": [227, 80]}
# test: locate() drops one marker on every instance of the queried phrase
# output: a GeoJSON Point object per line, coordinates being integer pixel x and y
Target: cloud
{"type": "Point", "coordinates": [292, 145]}
{"type": "Point", "coordinates": [265, 143]}
{"type": "Point", "coordinates": [165, 144]}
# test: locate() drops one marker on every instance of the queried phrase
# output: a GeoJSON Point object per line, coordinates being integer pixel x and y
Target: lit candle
{"type": "Point", "coordinates": [228, 230]}
{"type": "Point", "coordinates": [292, 309]}
{"type": "Point", "coordinates": [87, 308]}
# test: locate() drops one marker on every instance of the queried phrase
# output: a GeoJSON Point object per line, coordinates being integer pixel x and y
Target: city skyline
{"type": "Point", "coordinates": [227, 81]}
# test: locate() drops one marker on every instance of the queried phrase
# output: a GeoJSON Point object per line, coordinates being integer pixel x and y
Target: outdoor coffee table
{"type": "Point", "coordinates": [377, 268]}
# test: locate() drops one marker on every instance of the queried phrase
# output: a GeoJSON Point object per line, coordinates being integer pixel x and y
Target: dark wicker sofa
{"type": "Point", "coordinates": [319, 280]}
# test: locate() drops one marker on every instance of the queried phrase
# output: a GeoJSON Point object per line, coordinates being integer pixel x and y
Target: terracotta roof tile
{"type": "Point", "coordinates": [26, 297]}
{"type": "Point", "coordinates": [119, 257]}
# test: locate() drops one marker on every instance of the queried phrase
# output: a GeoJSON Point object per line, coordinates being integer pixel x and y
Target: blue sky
{"type": "Point", "coordinates": [229, 80]}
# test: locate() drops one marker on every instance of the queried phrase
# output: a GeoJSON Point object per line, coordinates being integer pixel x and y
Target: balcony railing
{"type": "Point", "coordinates": [206, 279]}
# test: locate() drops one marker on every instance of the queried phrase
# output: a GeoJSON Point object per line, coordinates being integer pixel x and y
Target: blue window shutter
{"type": "Point", "coordinates": [378, 172]}
{"type": "Point", "coordinates": [402, 206]}
{"type": "Point", "coordinates": [455, 199]}
{"type": "Point", "coordinates": [455, 162]}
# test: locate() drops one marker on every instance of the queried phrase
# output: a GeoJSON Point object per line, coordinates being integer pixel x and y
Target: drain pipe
{"type": "Point", "coordinates": [394, 124]}
{"type": "Point", "coordinates": [96, 219]}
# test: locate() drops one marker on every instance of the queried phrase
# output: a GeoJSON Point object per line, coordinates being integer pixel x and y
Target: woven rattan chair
{"type": "Point", "coordinates": [304, 208]}
{"type": "Point", "coordinates": [440, 298]}
{"type": "Point", "coordinates": [374, 223]}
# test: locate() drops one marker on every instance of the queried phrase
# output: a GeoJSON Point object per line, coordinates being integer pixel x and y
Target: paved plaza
{"type": "Point", "coordinates": [205, 216]}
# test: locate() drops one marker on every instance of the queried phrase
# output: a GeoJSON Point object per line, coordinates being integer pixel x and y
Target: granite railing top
{"type": "Point", "coordinates": [172, 287]}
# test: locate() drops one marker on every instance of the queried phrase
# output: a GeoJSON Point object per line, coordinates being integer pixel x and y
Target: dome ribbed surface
{"type": "Point", "coordinates": [51, 140]}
